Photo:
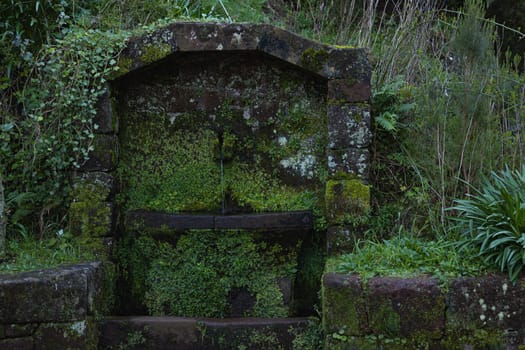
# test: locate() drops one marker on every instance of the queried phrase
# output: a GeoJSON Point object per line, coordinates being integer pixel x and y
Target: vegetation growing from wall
{"type": "Point", "coordinates": [405, 256]}
{"type": "Point", "coordinates": [56, 58]}
{"type": "Point", "coordinates": [198, 276]}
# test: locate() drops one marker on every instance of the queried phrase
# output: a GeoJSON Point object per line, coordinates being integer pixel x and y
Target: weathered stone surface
{"type": "Point", "coordinates": [105, 119]}
{"type": "Point", "coordinates": [491, 302]}
{"type": "Point", "coordinates": [406, 307]}
{"type": "Point", "coordinates": [348, 63]}
{"type": "Point", "coordinates": [167, 333]}
{"type": "Point", "coordinates": [89, 212]}
{"type": "Point", "coordinates": [53, 295]}
{"type": "Point", "coordinates": [78, 335]}
{"type": "Point", "coordinates": [293, 49]}
{"type": "Point", "coordinates": [269, 221]}
{"type": "Point", "coordinates": [350, 90]}
{"type": "Point", "coordinates": [327, 61]}
{"type": "Point", "coordinates": [344, 305]}
{"type": "Point", "coordinates": [350, 161]}
{"type": "Point", "coordinates": [348, 126]}
{"type": "Point", "coordinates": [91, 219]}
{"type": "Point", "coordinates": [17, 344]}
{"type": "Point", "coordinates": [342, 239]}
{"type": "Point", "coordinates": [162, 333]}
{"type": "Point", "coordinates": [104, 156]}
{"type": "Point", "coordinates": [17, 330]}
{"type": "Point", "coordinates": [98, 181]}
{"type": "Point", "coordinates": [345, 200]}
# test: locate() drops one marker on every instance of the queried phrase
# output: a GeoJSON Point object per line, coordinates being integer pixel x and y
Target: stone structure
{"type": "Point", "coordinates": [53, 309]}
{"type": "Point", "coordinates": [417, 313]}
{"type": "Point", "coordinates": [293, 109]}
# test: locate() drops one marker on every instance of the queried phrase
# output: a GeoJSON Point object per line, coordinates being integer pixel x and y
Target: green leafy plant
{"type": "Point", "coordinates": [492, 221]}
{"type": "Point", "coordinates": [406, 256]}
{"type": "Point", "coordinates": [197, 276]}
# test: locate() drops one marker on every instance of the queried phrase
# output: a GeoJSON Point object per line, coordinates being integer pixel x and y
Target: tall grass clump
{"type": "Point", "coordinates": [492, 221]}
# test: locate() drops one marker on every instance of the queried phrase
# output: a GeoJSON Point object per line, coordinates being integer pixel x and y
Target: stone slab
{"type": "Point", "coordinates": [486, 302]}
{"type": "Point", "coordinates": [105, 119]}
{"type": "Point", "coordinates": [326, 61]}
{"type": "Point", "coordinates": [346, 200]}
{"type": "Point", "coordinates": [25, 343]}
{"type": "Point", "coordinates": [104, 156]}
{"type": "Point", "coordinates": [53, 295]}
{"type": "Point", "coordinates": [78, 335]}
{"type": "Point", "coordinates": [350, 90]}
{"type": "Point", "coordinates": [406, 307]}
{"type": "Point", "coordinates": [270, 221]}
{"type": "Point", "coordinates": [344, 305]}
{"type": "Point", "coordinates": [289, 220]}
{"type": "Point", "coordinates": [181, 333]}
{"type": "Point", "coordinates": [348, 126]}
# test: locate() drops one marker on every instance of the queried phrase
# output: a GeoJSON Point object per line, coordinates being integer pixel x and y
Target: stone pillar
{"type": "Point", "coordinates": [91, 209]}
{"type": "Point", "coordinates": [347, 191]}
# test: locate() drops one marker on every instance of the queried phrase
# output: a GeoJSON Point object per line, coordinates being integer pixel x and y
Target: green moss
{"type": "Point", "coordinates": [124, 65]}
{"type": "Point", "coordinates": [342, 310]}
{"type": "Point", "coordinates": [477, 338]}
{"type": "Point", "coordinates": [153, 53]}
{"type": "Point", "coordinates": [313, 59]}
{"type": "Point", "coordinates": [89, 214]}
{"type": "Point", "coordinates": [385, 320]}
{"type": "Point", "coordinates": [195, 277]}
{"type": "Point", "coordinates": [346, 199]}
{"type": "Point", "coordinates": [105, 300]}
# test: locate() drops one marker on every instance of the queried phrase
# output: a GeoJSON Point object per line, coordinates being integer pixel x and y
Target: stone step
{"type": "Point", "coordinates": [182, 333]}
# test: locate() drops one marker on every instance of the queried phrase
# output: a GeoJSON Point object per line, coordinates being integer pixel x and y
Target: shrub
{"type": "Point", "coordinates": [492, 221]}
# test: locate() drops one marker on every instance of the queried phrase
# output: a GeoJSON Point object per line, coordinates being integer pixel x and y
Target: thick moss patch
{"type": "Point", "coordinates": [198, 276]}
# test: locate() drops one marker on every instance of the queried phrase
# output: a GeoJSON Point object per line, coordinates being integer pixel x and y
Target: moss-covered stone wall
{"type": "Point", "coordinates": [263, 118]}
{"type": "Point", "coordinates": [418, 313]}
{"type": "Point", "coordinates": [56, 308]}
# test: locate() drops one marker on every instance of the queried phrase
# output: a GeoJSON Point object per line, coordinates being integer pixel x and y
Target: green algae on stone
{"type": "Point", "coordinates": [314, 59]}
{"type": "Point", "coordinates": [155, 52]}
{"type": "Point", "coordinates": [344, 308]}
{"type": "Point", "coordinates": [89, 213]}
{"type": "Point", "coordinates": [346, 199]}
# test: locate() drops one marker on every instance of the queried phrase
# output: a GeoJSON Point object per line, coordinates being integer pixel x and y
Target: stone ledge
{"type": "Point", "coordinates": [182, 333]}
{"type": "Point", "coordinates": [62, 294]}
{"type": "Point", "coordinates": [413, 313]}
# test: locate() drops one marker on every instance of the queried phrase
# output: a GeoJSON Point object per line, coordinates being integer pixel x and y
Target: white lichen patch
{"type": "Point", "coordinates": [482, 317]}
{"type": "Point", "coordinates": [301, 164]}
{"type": "Point", "coordinates": [246, 114]}
{"type": "Point", "coordinates": [219, 47]}
{"type": "Point", "coordinates": [504, 287]}
{"type": "Point", "coordinates": [78, 327]}
{"type": "Point", "coordinates": [501, 315]}
{"type": "Point", "coordinates": [236, 39]}
{"type": "Point", "coordinates": [332, 165]}
{"type": "Point", "coordinates": [282, 140]}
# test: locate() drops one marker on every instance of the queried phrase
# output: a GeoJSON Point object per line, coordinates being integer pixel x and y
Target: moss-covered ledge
{"type": "Point", "coordinates": [419, 312]}
{"type": "Point", "coordinates": [54, 308]}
